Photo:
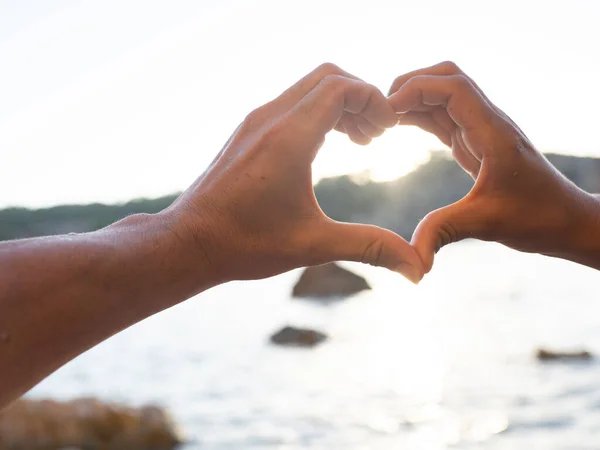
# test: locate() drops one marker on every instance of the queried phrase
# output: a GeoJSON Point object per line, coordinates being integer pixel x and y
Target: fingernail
{"type": "Point", "coordinates": [413, 274]}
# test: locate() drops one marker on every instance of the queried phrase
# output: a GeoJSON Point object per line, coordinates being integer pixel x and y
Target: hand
{"type": "Point", "coordinates": [519, 199]}
{"type": "Point", "coordinates": [253, 213]}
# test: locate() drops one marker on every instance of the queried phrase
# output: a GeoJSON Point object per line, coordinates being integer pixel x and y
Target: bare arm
{"type": "Point", "coordinates": [251, 215]}
{"type": "Point", "coordinates": [62, 295]}
{"type": "Point", "coordinates": [519, 199]}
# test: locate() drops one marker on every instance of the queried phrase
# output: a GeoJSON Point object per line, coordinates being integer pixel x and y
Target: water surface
{"type": "Point", "coordinates": [447, 364]}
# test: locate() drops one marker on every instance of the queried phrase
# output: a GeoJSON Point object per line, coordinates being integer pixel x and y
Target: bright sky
{"type": "Point", "coordinates": [111, 100]}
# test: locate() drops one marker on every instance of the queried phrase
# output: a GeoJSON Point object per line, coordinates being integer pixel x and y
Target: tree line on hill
{"type": "Point", "coordinates": [398, 205]}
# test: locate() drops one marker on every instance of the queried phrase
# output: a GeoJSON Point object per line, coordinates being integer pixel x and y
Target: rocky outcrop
{"type": "Point", "coordinates": [298, 337]}
{"type": "Point", "coordinates": [85, 424]}
{"type": "Point", "coordinates": [327, 281]}
{"type": "Point", "coordinates": [550, 355]}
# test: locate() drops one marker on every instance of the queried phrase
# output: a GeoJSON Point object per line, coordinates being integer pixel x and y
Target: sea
{"type": "Point", "coordinates": [447, 364]}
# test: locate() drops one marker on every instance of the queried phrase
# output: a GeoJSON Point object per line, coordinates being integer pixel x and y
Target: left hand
{"type": "Point", "coordinates": [519, 199]}
{"type": "Point", "coordinates": [253, 213]}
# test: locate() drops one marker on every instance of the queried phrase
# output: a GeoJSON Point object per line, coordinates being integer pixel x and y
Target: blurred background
{"type": "Point", "coordinates": [109, 108]}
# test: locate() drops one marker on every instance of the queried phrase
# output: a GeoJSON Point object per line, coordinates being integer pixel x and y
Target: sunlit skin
{"type": "Point", "coordinates": [252, 214]}
{"type": "Point", "coordinates": [519, 199]}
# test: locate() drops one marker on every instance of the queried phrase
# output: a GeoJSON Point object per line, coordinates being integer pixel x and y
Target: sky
{"type": "Point", "coordinates": [118, 99]}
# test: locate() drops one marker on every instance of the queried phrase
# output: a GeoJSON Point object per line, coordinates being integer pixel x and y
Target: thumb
{"type": "Point", "coordinates": [371, 245]}
{"type": "Point", "coordinates": [444, 226]}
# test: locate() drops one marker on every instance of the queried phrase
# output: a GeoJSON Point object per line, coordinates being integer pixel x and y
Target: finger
{"type": "Point", "coordinates": [426, 122]}
{"type": "Point", "coordinates": [366, 127]}
{"type": "Point", "coordinates": [440, 115]}
{"type": "Point", "coordinates": [463, 103]}
{"type": "Point", "coordinates": [363, 125]}
{"type": "Point", "coordinates": [340, 127]}
{"type": "Point", "coordinates": [445, 68]}
{"type": "Point", "coordinates": [350, 128]}
{"type": "Point", "coordinates": [295, 93]}
{"type": "Point", "coordinates": [437, 121]}
{"type": "Point", "coordinates": [354, 132]}
{"type": "Point", "coordinates": [323, 107]}
{"type": "Point", "coordinates": [460, 152]}
{"type": "Point", "coordinates": [446, 225]}
{"type": "Point", "coordinates": [370, 245]}
{"type": "Point", "coordinates": [358, 129]}
{"type": "Point", "coordinates": [441, 69]}
{"type": "Point", "coordinates": [467, 160]}
{"type": "Point", "coordinates": [448, 68]}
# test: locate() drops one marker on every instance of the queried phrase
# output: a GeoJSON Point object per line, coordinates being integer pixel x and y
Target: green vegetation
{"type": "Point", "coordinates": [18, 223]}
{"type": "Point", "coordinates": [398, 205]}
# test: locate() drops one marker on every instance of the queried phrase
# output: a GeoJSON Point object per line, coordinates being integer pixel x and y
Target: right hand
{"type": "Point", "coordinates": [519, 199]}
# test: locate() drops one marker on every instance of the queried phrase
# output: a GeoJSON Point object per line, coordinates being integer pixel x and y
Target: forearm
{"type": "Point", "coordinates": [59, 296]}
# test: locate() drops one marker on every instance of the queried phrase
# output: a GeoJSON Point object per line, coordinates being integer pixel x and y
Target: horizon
{"type": "Point", "coordinates": [358, 178]}
{"type": "Point", "coordinates": [98, 107]}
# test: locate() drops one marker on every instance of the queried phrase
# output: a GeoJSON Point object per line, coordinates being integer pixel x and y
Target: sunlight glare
{"type": "Point", "coordinates": [386, 158]}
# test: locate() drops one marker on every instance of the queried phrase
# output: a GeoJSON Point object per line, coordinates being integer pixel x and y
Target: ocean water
{"type": "Point", "coordinates": [448, 364]}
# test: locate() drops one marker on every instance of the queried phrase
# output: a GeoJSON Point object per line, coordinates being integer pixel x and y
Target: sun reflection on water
{"type": "Point", "coordinates": [446, 364]}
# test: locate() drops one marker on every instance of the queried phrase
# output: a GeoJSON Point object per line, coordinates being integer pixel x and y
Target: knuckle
{"type": "Point", "coordinates": [267, 140]}
{"type": "Point", "coordinates": [328, 68]}
{"type": "Point", "coordinates": [254, 116]}
{"type": "Point", "coordinates": [451, 67]}
{"type": "Point", "coordinates": [447, 234]}
{"type": "Point", "coordinates": [265, 132]}
{"type": "Point", "coordinates": [369, 94]}
{"type": "Point", "coordinates": [257, 117]}
{"type": "Point", "coordinates": [332, 80]}
{"type": "Point", "coordinates": [413, 84]}
{"type": "Point", "coordinates": [412, 81]}
{"type": "Point", "coordinates": [273, 133]}
{"type": "Point", "coordinates": [461, 82]}
{"type": "Point", "coordinates": [397, 82]}
{"type": "Point", "coordinates": [373, 252]}
{"type": "Point", "coordinates": [333, 84]}
{"type": "Point", "coordinates": [371, 89]}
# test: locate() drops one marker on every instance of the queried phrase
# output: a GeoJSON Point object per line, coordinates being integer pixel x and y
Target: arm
{"type": "Point", "coordinates": [251, 215]}
{"type": "Point", "coordinates": [61, 295]}
{"type": "Point", "coordinates": [519, 199]}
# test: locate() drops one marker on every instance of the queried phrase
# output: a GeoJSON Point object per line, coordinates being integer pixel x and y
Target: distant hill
{"type": "Point", "coordinates": [17, 223]}
{"type": "Point", "coordinates": [398, 205]}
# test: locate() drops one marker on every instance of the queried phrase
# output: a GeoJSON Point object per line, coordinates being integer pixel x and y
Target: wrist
{"type": "Point", "coordinates": [156, 255]}
{"type": "Point", "coordinates": [580, 237]}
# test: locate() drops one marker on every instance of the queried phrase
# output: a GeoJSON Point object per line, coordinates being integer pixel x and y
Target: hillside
{"type": "Point", "coordinates": [398, 205]}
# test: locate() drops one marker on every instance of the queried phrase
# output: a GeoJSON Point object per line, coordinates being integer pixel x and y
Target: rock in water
{"type": "Point", "coordinates": [299, 337]}
{"type": "Point", "coordinates": [329, 280]}
{"type": "Point", "coordinates": [85, 424]}
{"type": "Point", "coordinates": [549, 355]}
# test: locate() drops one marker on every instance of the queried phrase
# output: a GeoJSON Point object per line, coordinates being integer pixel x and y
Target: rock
{"type": "Point", "coordinates": [550, 355]}
{"type": "Point", "coordinates": [85, 424]}
{"type": "Point", "coordinates": [329, 280]}
{"type": "Point", "coordinates": [299, 337]}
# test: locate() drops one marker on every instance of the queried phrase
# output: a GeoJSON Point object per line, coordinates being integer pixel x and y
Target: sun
{"type": "Point", "coordinates": [396, 153]}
